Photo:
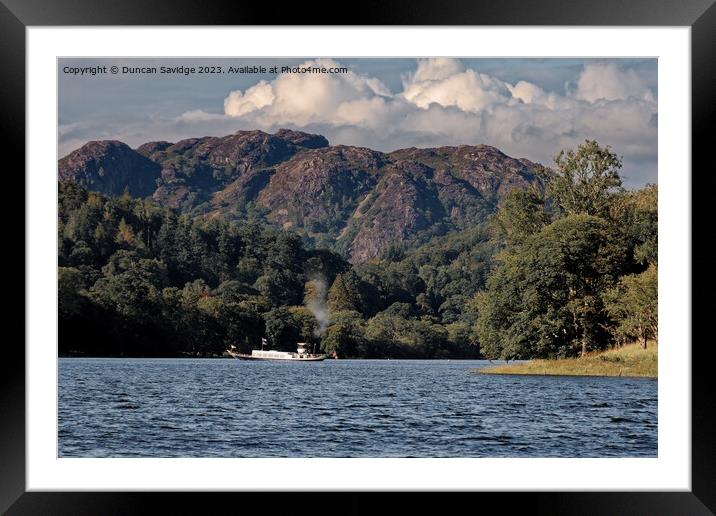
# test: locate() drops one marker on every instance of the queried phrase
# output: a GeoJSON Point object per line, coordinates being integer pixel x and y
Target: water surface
{"type": "Point", "coordinates": [345, 408]}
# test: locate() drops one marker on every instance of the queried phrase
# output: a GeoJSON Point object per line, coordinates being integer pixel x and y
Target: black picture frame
{"type": "Point", "coordinates": [700, 15]}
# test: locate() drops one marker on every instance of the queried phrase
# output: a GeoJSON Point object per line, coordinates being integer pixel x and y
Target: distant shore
{"type": "Point", "coordinates": [228, 357]}
{"type": "Point", "coordinates": [630, 360]}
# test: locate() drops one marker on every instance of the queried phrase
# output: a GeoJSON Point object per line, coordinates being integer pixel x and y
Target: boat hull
{"type": "Point", "coordinates": [241, 356]}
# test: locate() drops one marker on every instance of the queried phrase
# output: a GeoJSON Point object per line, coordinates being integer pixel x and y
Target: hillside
{"type": "Point", "coordinates": [354, 200]}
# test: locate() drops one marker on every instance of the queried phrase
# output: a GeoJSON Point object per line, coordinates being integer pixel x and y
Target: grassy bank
{"type": "Point", "coordinates": [629, 360]}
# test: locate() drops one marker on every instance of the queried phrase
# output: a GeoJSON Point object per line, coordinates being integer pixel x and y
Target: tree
{"type": "Point", "coordinates": [388, 333]}
{"type": "Point", "coordinates": [404, 310]}
{"type": "Point", "coordinates": [340, 297]}
{"type": "Point", "coordinates": [70, 285]}
{"type": "Point", "coordinates": [393, 253]}
{"type": "Point", "coordinates": [427, 338]}
{"type": "Point", "coordinates": [306, 323]}
{"type": "Point", "coordinates": [280, 288]}
{"type": "Point", "coordinates": [133, 293]}
{"type": "Point", "coordinates": [545, 298]}
{"type": "Point", "coordinates": [451, 309]}
{"type": "Point", "coordinates": [462, 338]}
{"type": "Point", "coordinates": [642, 223]}
{"type": "Point", "coordinates": [522, 214]}
{"type": "Point", "coordinates": [586, 179]}
{"type": "Point", "coordinates": [282, 332]}
{"type": "Point", "coordinates": [81, 254]}
{"type": "Point", "coordinates": [234, 291]}
{"type": "Point", "coordinates": [211, 330]}
{"type": "Point", "coordinates": [633, 303]}
{"type": "Point", "coordinates": [125, 235]}
{"type": "Point", "coordinates": [495, 326]}
{"type": "Point", "coordinates": [344, 335]}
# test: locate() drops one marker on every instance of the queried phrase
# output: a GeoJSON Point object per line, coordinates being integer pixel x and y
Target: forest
{"type": "Point", "coordinates": [560, 269]}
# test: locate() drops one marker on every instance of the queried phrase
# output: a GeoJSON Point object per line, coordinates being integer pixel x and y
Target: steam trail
{"type": "Point", "coordinates": [316, 303]}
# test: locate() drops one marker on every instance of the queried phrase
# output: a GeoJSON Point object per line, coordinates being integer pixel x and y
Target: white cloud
{"type": "Point", "coordinates": [305, 98]}
{"type": "Point", "coordinates": [606, 81]}
{"type": "Point", "coordinates": [436, 68]}
{"type": "Point", "coordinates": [469, 91]}
{"type": "Point", "coordinates": [256, 97]}
{"type": "Point", "coordinates": [198, 115]}
{"type": "Point", "coordinates": [527, 92]}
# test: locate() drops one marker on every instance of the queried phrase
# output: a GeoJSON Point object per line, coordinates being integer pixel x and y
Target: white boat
{"type": "Point", "coordinates": [300, 355]}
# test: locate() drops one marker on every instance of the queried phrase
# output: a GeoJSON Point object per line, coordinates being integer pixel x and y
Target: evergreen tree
{"type": "Point", "coordinates": [340, 297]}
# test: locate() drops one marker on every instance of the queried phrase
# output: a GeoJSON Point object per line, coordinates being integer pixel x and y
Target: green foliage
{"type": "Point", "coordinates": [393, 253]}
{"type": "Point", "coordinates": [545, 298]}
{"type": "Point", "coordinates": [633, 303]}
{"type": "Point", "coordinates": [573, 286]}
{"type": "Point", "coordinates": [641, 219]}
{"type": "Point", "coordinates": [282, 330]}
{"type": "Point", "coordinates": [70, 291]}
{"type": "Point", "coordinates": [523, 213]}
{"type": "Point", "coordinates": [586, 179]}
{"type": "Point", "coordinates": [342, 295]}
{"type": "Point", "coordinates": [345, 335]}
{"type": "Point", "coordinates": [136, 279]}
{"type": "Point", "coordinates": [306, 323]}
{"type": "Point", "coordinates": [391, 334]}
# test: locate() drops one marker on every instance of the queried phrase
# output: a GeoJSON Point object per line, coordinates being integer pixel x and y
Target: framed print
{"type": "Point", "coordinates": [459, 220]}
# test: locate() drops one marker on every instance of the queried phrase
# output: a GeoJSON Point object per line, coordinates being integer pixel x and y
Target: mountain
{"type": "Point", "coordinates": [110, 167]}
{"type": "Point", "coordinates": [354, 200]}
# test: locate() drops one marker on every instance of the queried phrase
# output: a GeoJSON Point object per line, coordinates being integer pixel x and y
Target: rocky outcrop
{"type": "Point", "coordinates": [404, 202]}
{"type": "Point", "coordinates": [318, 189]}
{"type": "Point", "coordinates": [110, 167]}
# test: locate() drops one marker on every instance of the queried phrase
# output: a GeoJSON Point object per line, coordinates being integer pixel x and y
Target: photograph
{"type": "Point", "coordinates": [357, 257]}
{"type": "Point", "coordinates": [426, 251]}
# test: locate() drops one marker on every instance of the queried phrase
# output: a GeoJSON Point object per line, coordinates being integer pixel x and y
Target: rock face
{"type": "Point", "coordinates": [196, 169]}
{"type": "Point", "coordinates": [479, 168]}
{"type": "Point", "coordinates": [404, 202]}
{"type": "Point", "coordinates": [318, 189]}
{"type": "Point", "coordinates": [355, 200]}
{"type": "Point", "coordinates": [110, 167]}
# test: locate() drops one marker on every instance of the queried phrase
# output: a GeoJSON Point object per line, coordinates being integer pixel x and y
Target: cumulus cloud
{"type": "Point", "coordinates": [305, 98]}
{"type": "Point", "coordinates": [435, 69]}
{"type": "Point", "coordinates": [443, 103]}
{"type": "Point", "coordinates": [469, 91]}
{"type": "Point", "coordinates": [527, 92]}
{"type": "Point", "coordinates": [606, 81]}
{"type": "Point", "coordinates": [255, 97]}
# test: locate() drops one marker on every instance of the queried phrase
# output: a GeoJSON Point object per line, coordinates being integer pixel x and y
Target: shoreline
{"type": "Point", "coordinates": [629, 361]}
{"type": "Point", "coordinates": [232, 358]}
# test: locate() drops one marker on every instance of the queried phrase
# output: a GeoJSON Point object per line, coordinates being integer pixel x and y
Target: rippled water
{"type": "Point", "coordinates": [345, 408]}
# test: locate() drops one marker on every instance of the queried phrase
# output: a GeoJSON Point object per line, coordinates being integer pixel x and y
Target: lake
{"type": "Point", "coordinates": [345, 408]}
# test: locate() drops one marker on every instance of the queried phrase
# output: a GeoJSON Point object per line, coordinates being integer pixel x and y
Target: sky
{"type": "Point", "coordinates": [530, 108]}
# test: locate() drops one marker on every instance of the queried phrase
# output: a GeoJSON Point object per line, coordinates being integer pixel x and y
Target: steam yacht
{"type": "Point", "coordinates": [301, 354]}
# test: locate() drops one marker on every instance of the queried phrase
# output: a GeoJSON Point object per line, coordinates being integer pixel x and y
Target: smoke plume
{"type": "Point", "coordinates": [316, 303]}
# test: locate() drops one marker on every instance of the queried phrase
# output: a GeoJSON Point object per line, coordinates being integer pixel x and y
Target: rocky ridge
{"type": "Point", "coordinates": [352, 199]}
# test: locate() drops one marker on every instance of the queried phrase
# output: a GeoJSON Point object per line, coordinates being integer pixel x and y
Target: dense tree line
{"type": "Point", "coordinates": [139, 280]}
{"type": "Point", "coordinates": [557, 271]}
{"type": "Point", "coordinates": [578, 269]}
{"type": "Point", "coordinates": [136, 279]}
